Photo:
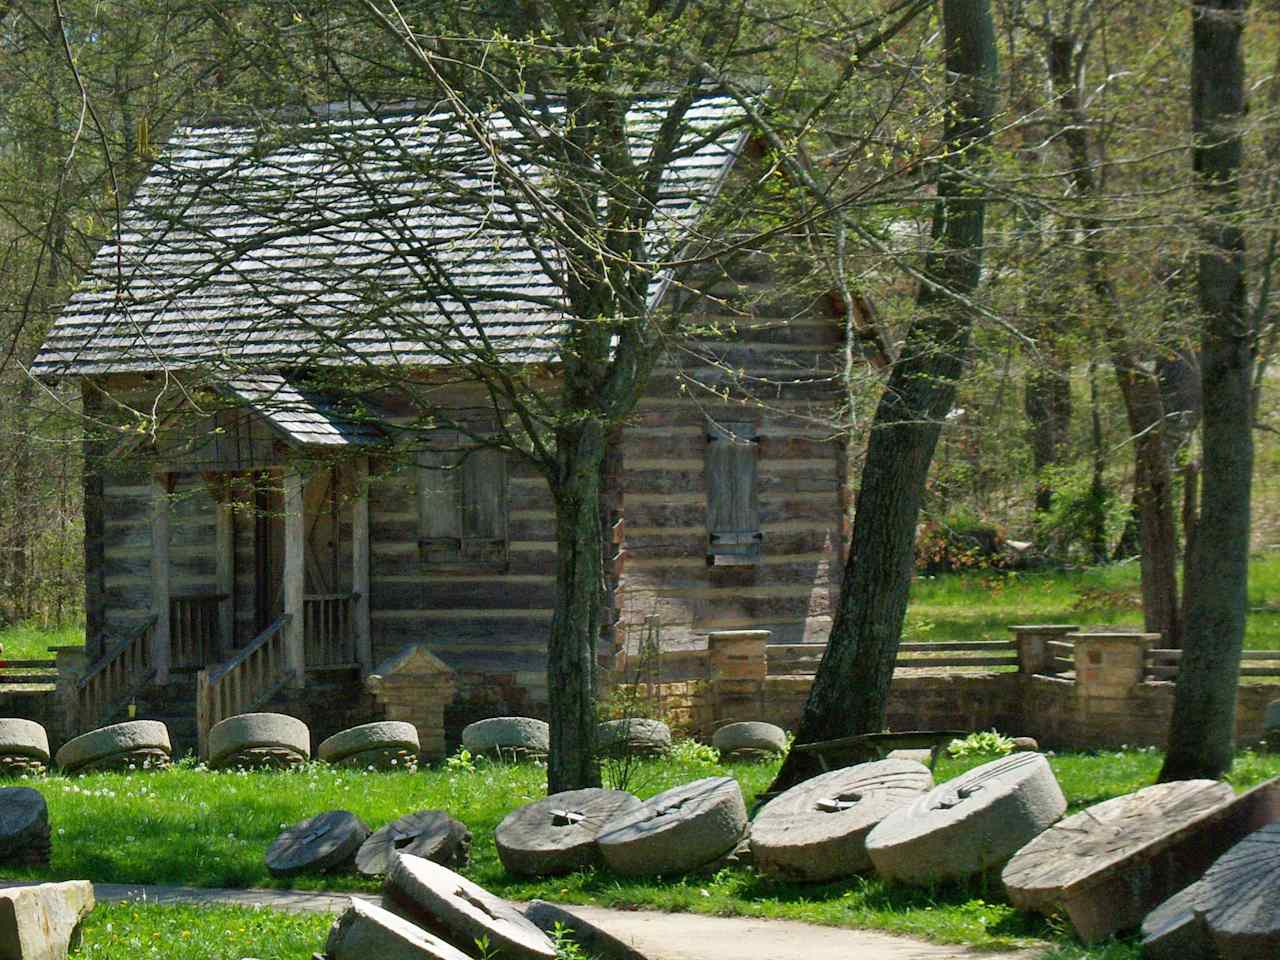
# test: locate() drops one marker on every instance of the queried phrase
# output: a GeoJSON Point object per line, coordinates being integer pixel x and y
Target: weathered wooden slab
{"type": "Point", "coordinates": [818, 829]}
{"type": "Point", "coordinates": [430, 834]}
{"type": "Point", "coordinates": [1108, 866]}
{"type": "Point", "coordinates": [1239, 898]}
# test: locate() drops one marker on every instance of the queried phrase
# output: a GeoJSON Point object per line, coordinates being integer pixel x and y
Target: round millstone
{"type": "Point", "coordinates": [258, 739]}
{"type": "Point", "coordinates": [969, 824]}
{"type": "Point", "coordinates": [463, 912]}
{"type": "Point", "coordinates": [23, 738]}
{"type": "Point", "coordinates": [676, 831]}
{"type": "Point", "coordinates": [24, 826]}
{"type": "Point", "coordinates": [634, 735]}
{"type": "Point", "coordinates": [1239, 898]}
{"type": "Point", "coordinates": [145, 738]}
{"type": "Point", "coordinates": [366, 931]}
{"type": "Point", "coordinates": [817, 830]}
{"type": "Point", "coordinates": [325, 842]}
{"type": "Point", "coordinates": [386, 734]}
{"type": "Point", "coordinates": [1173, 930]}
{"type": "Point", "coordinates": [1056, 871]}
{"type": "Point", "coordinates": [749, 740]}
{"type": "Point", "coordinates": [511, 737]}
{"type": "Point", "coordinates": [430, 834]}
{"type": "Point", "coordinates": [558, 834]}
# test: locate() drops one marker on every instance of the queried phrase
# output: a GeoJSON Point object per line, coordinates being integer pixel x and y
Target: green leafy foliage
{"type": "Point", "coordinates": [985, 743]}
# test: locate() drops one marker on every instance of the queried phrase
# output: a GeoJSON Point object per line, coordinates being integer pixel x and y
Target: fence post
{"type": "Point", "coordinates": [202, 714]}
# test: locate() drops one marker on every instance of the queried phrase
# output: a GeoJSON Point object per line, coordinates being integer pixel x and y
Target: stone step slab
{"type": "Point", "coordinates": [366, 931]}
{"type": "Point", "coordinates": [143, 738]}
{"type": "Point", "coordinates": [817, 830]}
{"type": "Point", "coordinates": [970, 824]}
{"type": "Point", "coordinates": [749, 740]}
{"type": "Point", "coordinates": [430, 834]}
{"type": "Point", "coordinates": [23, 738]}
{"type": "Point", "coordinates": [557, 834]}
{"type": "Point", "coordinates": [42, 922]}
{"type": "Point", "coordinates": [319, 844]}
{"type": "Point", "coordinates": [463, 912]}
{"type": "Point", "coordinates": [676, 831]}
{"type": "Point", "coordinates": [369, 736]}
{"type": "Point", "coordinates": [257, 736]}
{"type": "Point", "coordinates": [1107, 867]}
{"type": "Point", "coordinates": [512, 737]}
{"type": "Point", "coordinates": [1239, 898]}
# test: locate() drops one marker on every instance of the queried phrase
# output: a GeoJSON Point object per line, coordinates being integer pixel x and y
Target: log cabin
{"type": "Point", "coordinates": [255, 526]}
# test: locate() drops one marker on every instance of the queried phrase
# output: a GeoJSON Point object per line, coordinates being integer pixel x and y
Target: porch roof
{"type": "Point", "coordinates": [301, 418]}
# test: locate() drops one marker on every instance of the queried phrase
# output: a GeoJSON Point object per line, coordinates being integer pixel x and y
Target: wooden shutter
{"type": "Point", "coordinates": [484, 506]}
{"type": "Point", "coordinates": [440, 500]}
{"type": "Point", "coordinates": [733, 511]}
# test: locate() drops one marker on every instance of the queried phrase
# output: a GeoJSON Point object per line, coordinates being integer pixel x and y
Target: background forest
{"type": "Point", "coordinates": [1079, 407]}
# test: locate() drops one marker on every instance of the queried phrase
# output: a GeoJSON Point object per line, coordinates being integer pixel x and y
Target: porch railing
{"type": "Point", "coordinates": [243, 683]}
{"type": "Point", "coordinates": [193, 630]}
{"type": "Point", "coordinates": [114, 677]}
{"type": "Point", "coordinates": [327, 633]}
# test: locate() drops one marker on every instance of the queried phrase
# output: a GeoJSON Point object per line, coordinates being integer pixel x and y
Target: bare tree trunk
{"type": "Point", "coordinates": [575, 626]}
{"type": "Point", "coordinates": [850, 692]}
{"type": "Point", "coordinates": [1202, 735]}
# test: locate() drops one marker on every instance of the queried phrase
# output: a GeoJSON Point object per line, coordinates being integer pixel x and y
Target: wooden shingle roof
{"type": "Point", "coordinates": [349, 238]}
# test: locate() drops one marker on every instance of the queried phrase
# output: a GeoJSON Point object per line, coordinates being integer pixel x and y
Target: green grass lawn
{"type": "Point", "coordinates": [190, 826]}
{"type": "Point", "coordinates": [982, 605]}
{"type": "Point", "coordinates": [32, 642]}
{"type": "Point", "coordinates": [125, 931]}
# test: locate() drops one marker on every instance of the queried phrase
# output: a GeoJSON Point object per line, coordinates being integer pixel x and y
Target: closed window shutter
{"type": "Point", "coordinates": [733, 511]}
{"type": "Point", "coordinates": [440, 500]}
{"type": "Point", "coordinates": [484, 505]}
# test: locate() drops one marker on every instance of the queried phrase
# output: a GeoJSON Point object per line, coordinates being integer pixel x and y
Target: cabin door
{"type": "Point", "coordinates": [268, 548]}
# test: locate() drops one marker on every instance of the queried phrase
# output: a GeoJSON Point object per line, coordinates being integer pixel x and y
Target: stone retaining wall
{"type": "Point", "coordinates": [1107, 703]}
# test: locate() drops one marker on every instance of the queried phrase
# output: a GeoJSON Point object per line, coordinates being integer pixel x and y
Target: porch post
{"type": "Point", "coordinates": [295, 576]}
{"type": "Point", "coordinates": [225, 558]}
{"type": "Point", "coordinates": [360, 563]}
{"type": "Point", "coordinates": [160, 573]}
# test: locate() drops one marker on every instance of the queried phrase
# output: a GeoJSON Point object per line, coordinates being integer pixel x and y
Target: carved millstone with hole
{"type": "Point", "coordinates": [676, 831]}
{"type": "Point", "coordinates": [1108, 866]}
{"type": "Point", "coordinates": [969, 824]}
{"type": "Point", "coordinates": [1173, 931]}
{"type": "Point", "coordinates": [368, 932]}
{"type": "Point", "coordinates": [636, 736]}
{"type": "Point", "coordinates": [462, 912]}
{"type": "Point", "coordinates": [24, 828]}
{"type": "Point", "coordinates": [594, 941]}
{"type": "Point", "coordinates": [1239, 898]}
{"type": "Point", "coordinates": [430, 834]}
{"type": "Point", "coordinates": [324, 843]}
{"type": "Point", "coordinates": [24, 748]}
{"type": "Point", "coordinates": [508, 737]}
{"type": "Point", "coordinates": [749, 740]}
{"type": "Point", "coordinates": [259, 741]}
{"type": "Point", "coordinates": [817, 830]}
{"type": "Point", "coordinates": [385, 745]}
{"type": "Point", "coordinates": [558, 834]}
{"type": "Point", "coordinates": [136, 745]}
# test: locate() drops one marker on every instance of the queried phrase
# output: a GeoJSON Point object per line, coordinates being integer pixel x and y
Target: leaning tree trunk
{"type": "Point", "coordinates": [850, 692]}
{"type": "Point", "coordinates": [575, 625]}
{"type": "Point", "coordinates": [1202, 735]}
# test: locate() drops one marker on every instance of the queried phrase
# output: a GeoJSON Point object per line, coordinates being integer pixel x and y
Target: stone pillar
{"type": "Point", "coordinates": [1109, 669]}
{"type": "Point", "coordinates": [737, 667]}
{"type": "Point", "coordinates": [1034, 653]}
{"type": "Point", "coordinates": [415, 686]}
